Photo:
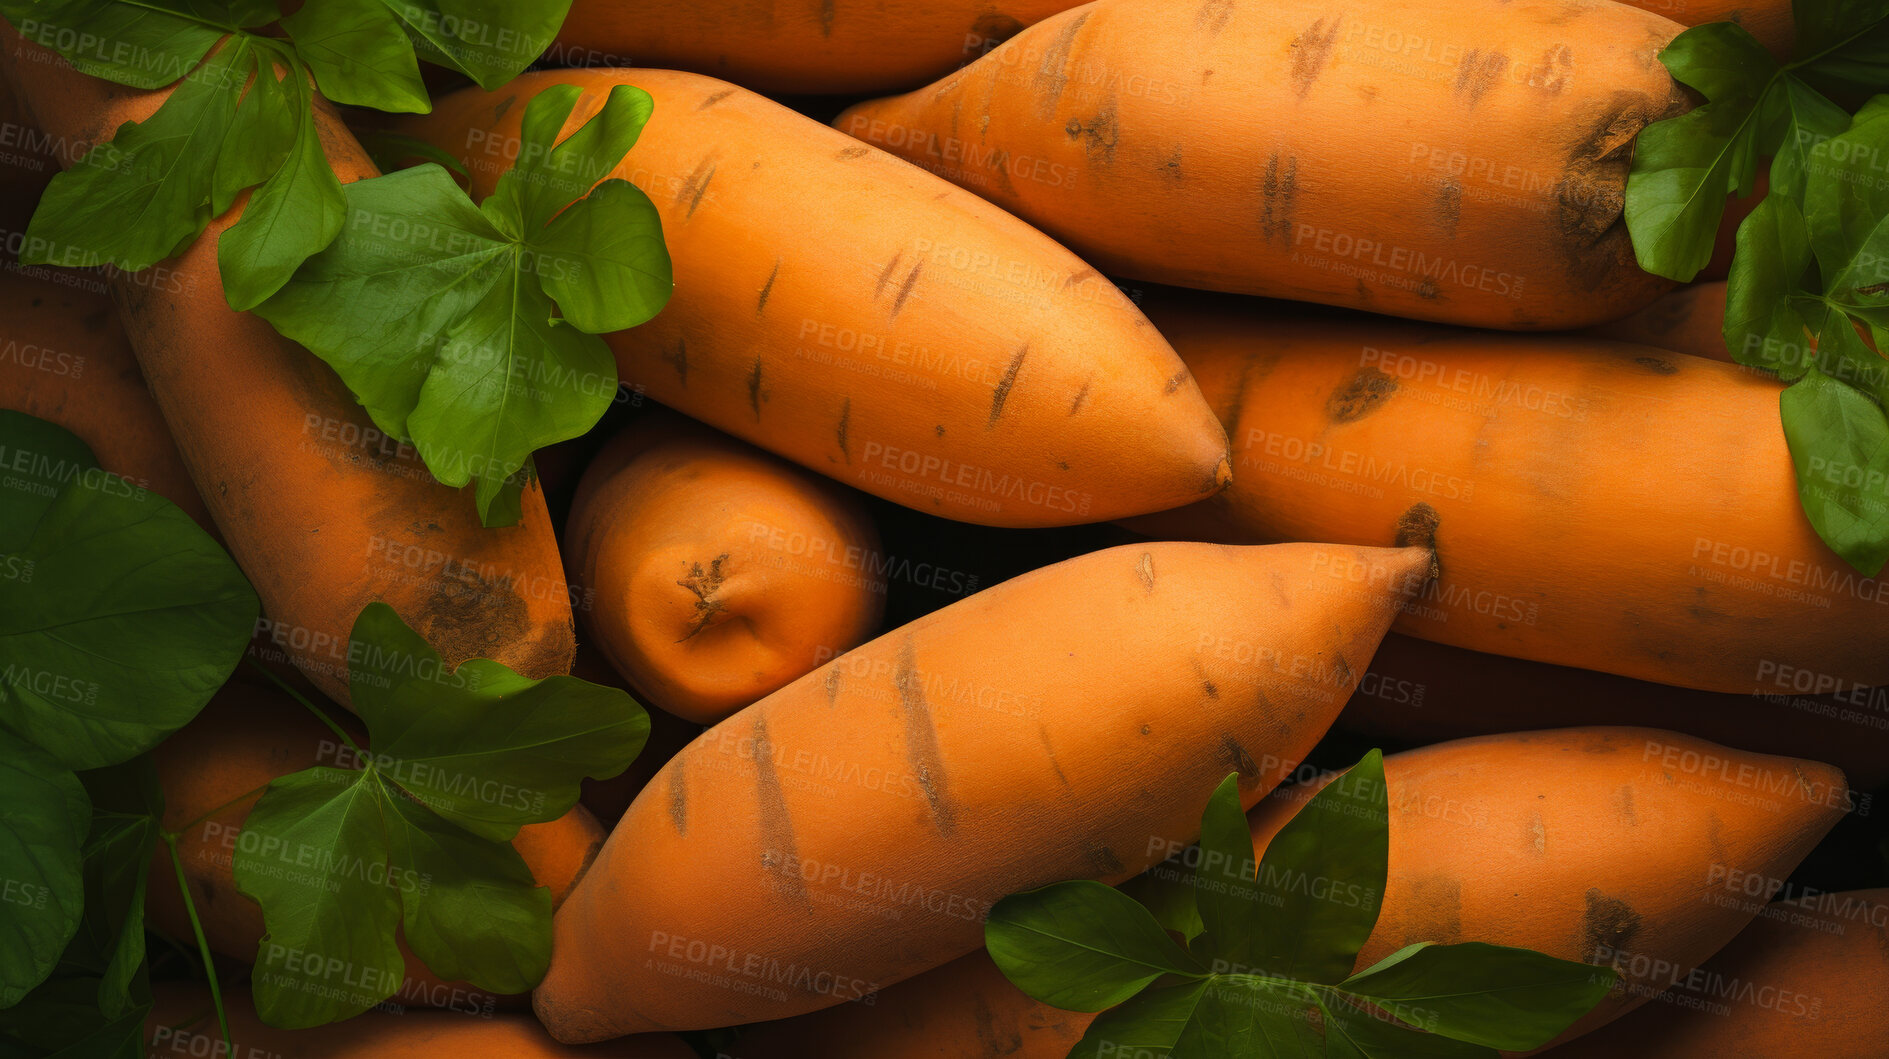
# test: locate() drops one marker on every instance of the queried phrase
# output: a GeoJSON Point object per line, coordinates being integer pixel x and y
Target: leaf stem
{"type": "Point", "coordinates": [203, 944]}
{"type": "Point", "coordinates": [312, 708]}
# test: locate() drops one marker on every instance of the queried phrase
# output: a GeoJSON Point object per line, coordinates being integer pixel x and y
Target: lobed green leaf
{"type": "Point", "coordinates": [1081, 946]}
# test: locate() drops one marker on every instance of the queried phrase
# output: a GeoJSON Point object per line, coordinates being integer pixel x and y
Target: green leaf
{"type": "Point", "coordinates": [490, 41]}
{"type": "Point", "coordinates": [143, 46]}
{"type": "Point", "coordinates": [127, 809]}
{"type": "Point", "coordinates": [1845, 198]}
{"type": "Point", "coordinates": [298, 210]}
{"type": "Point", "coordinates": [482, 746]}
{"type": "Point", "coordinates": [44, 816]}
{"type": "Point", "coordinates": [372, 305]}
{"type": "Point", "coordinates": [475, 914]}
{"type": "Point", "coordinates": [1238, 1011]}
{"type": "Point", "coordinates": [508, 380]}
{"type": "Point", "coordinates": [1846, 203]}
{"type": "Point", "coordinates": [359, 54]}
{"type": "Point", "coordinates": [131, 619]}
{"type": "Point", "coordinates": [1843, 45]}
{"type": "Point", "coordinates": [1322, 879]}
{"type": "Point", "coordinates": [548, 174]}
{"type": "Point", "coordinates": [1839, 442]}
{"type": "Point", "coordinates": [458, 760]}
{"type": "Point", "coordinates": [1081, 945]}
{"type": "Point", "coordinates": [1351, 1033]}
{"type": "Point", "coordinates": [1233, 911]}
{"type": "Point", "coordinates": [1720, 59]}
{"type": "Point", "coordinates": [1493, 995]}
{"type": "Point", "coordinates": [318, 864]}
{"type": "Point", "coordinates": [1148, 1024]}
{"type": "Point", "coordinates": [61, 1020]}
{"type": "Point", "coordinates": [262, 129]}
{"type": "Point", "coordinates": [142, 196]}
{"type": "Point", "coordinates": [606, 263]}
{"type": "Point", "coordinates": [1167, 892]}
{"type": "Point", "coordinates": [1845, 357]}
{"type": "Point", "coordinates": [1811, 121]}
{"type": "Point", "coordinates": [39, 459]}
{"type": "Point", "coordinates": [1684, 167]}
{"type": "Point", "coordinates": [440, 316]}
{"type": "Point", "coordinates": [1764, 314]}
{"type": "Point", "coordinates": [392, 151]}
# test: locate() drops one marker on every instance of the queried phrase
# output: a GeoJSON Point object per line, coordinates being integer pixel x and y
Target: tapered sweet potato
{"type": "Point", "coordinates": [1660, 484]}
{"type": "Point", "coordinates": [1455, 160]}
{"type": "Point", "coordinates": [711, 573]}
{"type": "Point", "coordinates": [64, 358]}
{"type": "Point", "coordinates": [322, 512]}
{"type": "Point", "coordinates": [810, 46]}
{"type": "Point", "coordinates": [864, 319]}
{"type": "Point", "coordinates": [213, 771]}
{"type": "Point", "coordinates": [1590, 844]}
{"type": "Point", "coordinates": [1807, 977]}
{"type": "Point", "coordinates": [1418, 692]}
{"type": "Point", "coordinates": [1605, 845]}
{"type": "Point", "coordinates": [183, 1025]}
{"type": "Point", "coordinates": [853, 828]}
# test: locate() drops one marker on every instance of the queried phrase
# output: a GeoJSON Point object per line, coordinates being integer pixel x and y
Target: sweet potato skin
{"type": "Point", "coordinates": [966, 1009]}
{"type": "Point", "coordinates": [1682, 557]}
{"type": "Point", "coordinates": [182, 1025]}
{"type": "Point", "coordinates": [1689, 320]}
{"type": "Point", "coordinates": [1767, 20]}
{"type": "Point", "coordinates": [1805, 978]}
{"type": "Point", "coordinates": [808, 47]}
{"type": "Point", "coordinates": [905, 338]}
{"type": "Point", "coordinates": [322, 512]}
{"type": "Point", "coordinates": [1419, 692]}
{"type": "Point", "coordinates": [1557, 841]}
{"type": "Point", "coordinates": [1430, 159]}
{"type": "Point", "coordinates": [27, 162]}
{"type": "Point", "coordinates": [983, 750]}
{"type": "Point", "coordinates": [713, 573]}
{"type": "Point", "coordinates": [65, 359]}
{"type": "Point", "coordinates": [1499, 838]}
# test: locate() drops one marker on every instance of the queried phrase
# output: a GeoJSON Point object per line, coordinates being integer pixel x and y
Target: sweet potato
{"type": "Point", "coordinates": [1591, 844]}
{"type": "Point", "coordinates": [1454, 160]}
{"type": "Point", "coordinates": [840, 308]}
{"type": "Point", "coordinates": [183, 1025]}
{"type": "Point", "coordinates": [1768, 20]}
{"type": "Point", "coordinates": [1805, 978]}
{"type": "Point", "coordinates": [64, 358]}
{"type": "Point", "coordinates": [321, 511]}
{"type": "Point", "coordinates": [813, 46]}
{"type": "Point", "coordinates": [966, 1009]}
{"type": "Point", "coordinates": [1689, 320]}
{"type": "Point", "coordinates": [213, 771]}
{"type": "Point", "coordinates": [1660, 485]}
{"type": "Point", "coordinates": [853, 828]}
{"type": "Point", "coordinates": [711, 573]}
{"type": "Point", "coordinates": [1419, 692]}
{"type": "Point", "coordinates": [1595, 844]}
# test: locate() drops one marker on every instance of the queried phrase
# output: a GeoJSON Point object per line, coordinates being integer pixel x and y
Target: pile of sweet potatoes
{"type": "Point", "coordinates": [1140, 392]}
